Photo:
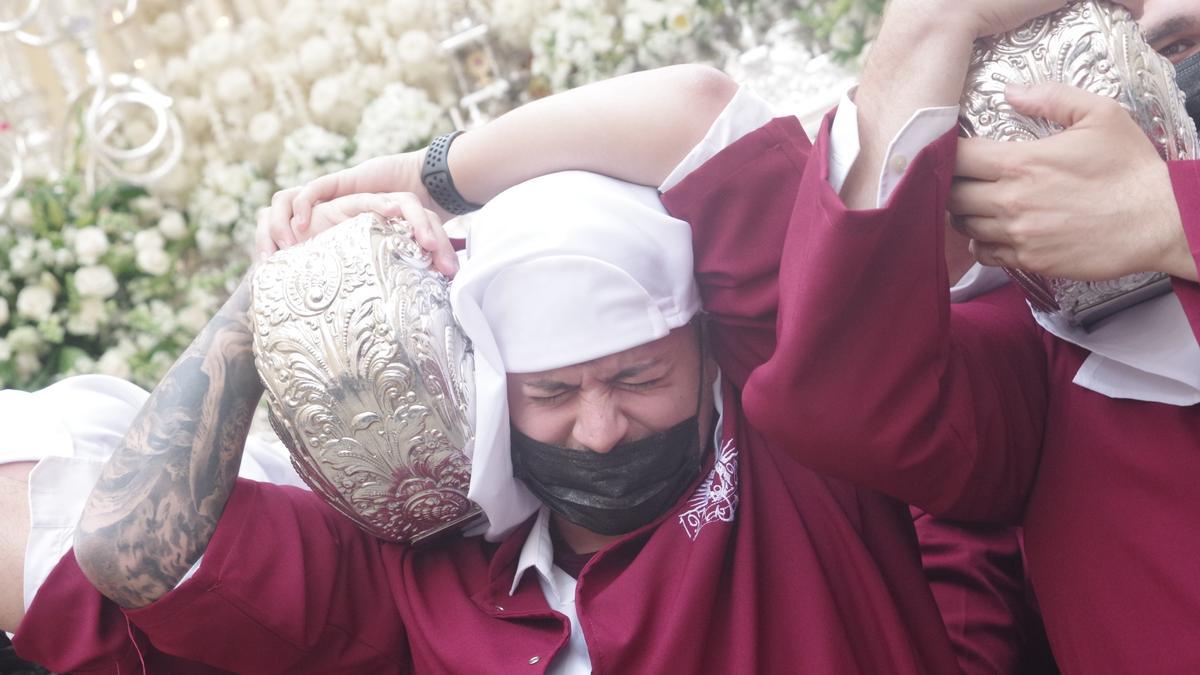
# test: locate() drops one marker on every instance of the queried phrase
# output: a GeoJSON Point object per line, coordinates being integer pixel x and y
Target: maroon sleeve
{"type": "Point", "coordinates": [876, 378]}
{"type": "Point", "coordinates": [739, 204]}
{"type": "Point", "coordinates": [977, 574]}
{"type": "Point", "coordinates": [286, 582]}
{"type": "Point", "coordinates": [71, 628]}
{"type": "Point", "coordinates": [1185, 177]}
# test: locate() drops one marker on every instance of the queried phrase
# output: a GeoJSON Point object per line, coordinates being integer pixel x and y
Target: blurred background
{"type": "Point", "coordinates": [138, 138]}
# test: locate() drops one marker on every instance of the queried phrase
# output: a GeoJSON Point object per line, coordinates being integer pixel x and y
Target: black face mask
{"type": "Point", "coordinates": [1187, 75]}
{"type": "Point", "coordinates": [612, 492]}
{"type": "Point", "coordinates": [618, 491]}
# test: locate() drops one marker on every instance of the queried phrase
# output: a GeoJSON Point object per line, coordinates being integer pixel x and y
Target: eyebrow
{"type": "Point", "coordinates": [1176, 24]}
{"type": "Point", "coordinates": [552, 385]}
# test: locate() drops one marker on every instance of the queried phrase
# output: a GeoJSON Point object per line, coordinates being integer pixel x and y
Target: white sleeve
{"type": "Point", "coordinates": [744, 113]}
{"type": "Point", "coordinates": [923, 128]}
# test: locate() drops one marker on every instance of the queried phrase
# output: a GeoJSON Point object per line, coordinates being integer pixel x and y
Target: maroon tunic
{"type": "Point", "coordinates": [767, 567]}
{"type": "Point", "coordinates": [970, 411]}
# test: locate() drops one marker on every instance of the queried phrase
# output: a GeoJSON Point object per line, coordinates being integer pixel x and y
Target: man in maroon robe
{"type": "Point", "coordinates": [973, 410]}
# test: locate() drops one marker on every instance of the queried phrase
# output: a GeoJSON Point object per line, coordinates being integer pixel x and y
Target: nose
{"type": "Point", "coordinates": [599, 425]}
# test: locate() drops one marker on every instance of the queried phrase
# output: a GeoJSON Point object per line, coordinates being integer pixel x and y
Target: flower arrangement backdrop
{"type": "Point", "coordinates": [101, 275]}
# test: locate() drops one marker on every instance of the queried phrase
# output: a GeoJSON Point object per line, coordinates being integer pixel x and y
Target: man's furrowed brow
{"type": "Point", "coordinates": [636, 369]}
{"type": "Point", "coordinates": [547, 385]}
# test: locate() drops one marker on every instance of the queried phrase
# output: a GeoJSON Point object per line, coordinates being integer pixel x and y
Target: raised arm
{"type": "Point", "coordinates": [158, 500]}
{"type": "Point", "coordinates": [636, 127]}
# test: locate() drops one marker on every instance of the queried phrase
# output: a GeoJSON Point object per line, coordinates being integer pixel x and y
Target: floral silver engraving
{"type": "Point", "coordinates": [1094, 45]}
{"type": "Point", "coordinates": [369, 381]}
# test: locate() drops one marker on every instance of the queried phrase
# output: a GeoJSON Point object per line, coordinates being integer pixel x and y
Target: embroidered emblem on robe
{"type": "Point", "coordinates": [716, 499]}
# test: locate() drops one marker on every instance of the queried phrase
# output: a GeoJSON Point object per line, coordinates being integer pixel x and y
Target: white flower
{"type": "Point", "coordinates": [172, 225]}
{"type": "Point", "coordinates": [316, 56]}
{"type": "Point", "coordinates": [224, 210]}
{"type": "Point", "coordinates": [24, 339]}
{"type": "Point", "coordinates": [35, 302]}
{"type": "Point", "coordinates": [90, 244]}
{"type": "Point", "coordinates": [21, 213]}
{"type": "Point", "coordinates": [235, 85]}
{"type": "Point", "coordinates": [27, 363]}
{"type": "Point", "coordinates": [264, 128]}
{"type": "Point", "coordinates": [96, 281]}
{"type": "Point", "coordinates": [3, 311]}
{"type": "Point", "coordinates": [148, 240]}
{"type": "Point", "coordinates": [154, 261]}
{"type": "Point", "coordinates": [87, 319]}
{"type": "Point", "coordinates": [193, 319]}
{"type": "Point", "coordinates": [400, 119]}
{"type": "Point", "coordinates": [22, 258]}
{"type": "Point", "coordinates": [114, 362]}
{"type": "Point", "coordinates": [148, 206]}
{"type": "Point", "coordinates": [416, 47]}
{"type": "Point", "coordinates": [168, 30]}
{"type": "Point", "coordinates": [5, 350]}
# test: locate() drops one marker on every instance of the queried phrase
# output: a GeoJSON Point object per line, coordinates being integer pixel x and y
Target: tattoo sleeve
{"type": "Point", "coordinates": [158, 499]}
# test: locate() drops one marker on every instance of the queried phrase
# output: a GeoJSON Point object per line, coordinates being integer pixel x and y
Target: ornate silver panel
{"type": "Point", "coordinates": [369, 381]}
{"type": "Point", "coordinates": [1094, 45]}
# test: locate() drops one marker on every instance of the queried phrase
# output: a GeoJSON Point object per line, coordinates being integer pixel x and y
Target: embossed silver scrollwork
{"type": "Point", "coordinates": [366, 375]}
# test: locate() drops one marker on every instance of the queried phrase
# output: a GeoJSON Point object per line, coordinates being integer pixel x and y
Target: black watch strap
{"type": "Point", "coordinates": [435, 174]}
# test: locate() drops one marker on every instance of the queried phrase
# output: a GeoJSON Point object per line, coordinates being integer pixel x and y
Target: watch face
{"type": "Point", "coordinates": [1097, 46]}
{"type": "Point", "coordinates": [369, 381]}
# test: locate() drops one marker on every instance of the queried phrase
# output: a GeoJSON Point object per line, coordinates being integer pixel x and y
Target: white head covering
{"type": "Point", "coordinates": [561, 270]}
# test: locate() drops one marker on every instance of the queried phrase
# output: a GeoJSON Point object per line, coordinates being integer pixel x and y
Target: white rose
{"type": "Point", "coordinates": [316, 57]}
{"type": "Point", "coordinates": [168, 30]}
{"type": "Point", "coordinates": [27, 364]}
{"type": "Point", "coordinates": [148, 240]}
{"type": "Point", "coordinates": [235, 85]}
{"type": "Point", "coordinates": [90, 244]}
{"type": "Point", "coordinates": [415, 47]}
{"type": "Point", "coordinates": [193, 319]}
{"type": "Point", "coordinates": [21, 213]}
{"type": "Point", "coordinates": [22, 259]}
{"type": "Point", "coordinates": [96, 281]}
{"type": "Point", "coordinates": [35, 302]}
{"type": "Point", "coordinates": [148, 206]}
{"type": "Point", "coordinates": [114, 363]}
{"type": "Point", "coordinates": [231, 179]}
{"type": "Point", "coordinates": [224, 210]}
{"type": "Point", "coordinates": [3, 311]}
{"type": "Point", "coordinates": [86, 321]}
{"type": "Point", "coordinates": [172, 225]}
{"type": "Point", "coordinates": [154, 261]}
{"type": "Point", "coordinates": [324, 95]}
{"type": "Point", "coordinates": [264, 128]}
{"type": "Point", "coordinates": [24, 339]}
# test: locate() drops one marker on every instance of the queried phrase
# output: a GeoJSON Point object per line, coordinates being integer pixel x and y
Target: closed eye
{"type": "Point", "coordinates": [640, 386]}
{"type": "Point", "coordinates": [1178, 49]}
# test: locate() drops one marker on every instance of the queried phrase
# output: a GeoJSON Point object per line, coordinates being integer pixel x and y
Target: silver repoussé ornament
{"type": "Point", "coordinates": [369, 381]}
{"type": "Point", "coordinates": [1094, 45]}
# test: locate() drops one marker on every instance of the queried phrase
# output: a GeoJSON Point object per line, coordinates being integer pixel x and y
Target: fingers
{"type": "Point", "coordinates": [316, 191]}
{"type": "Point", "coordinates": [273, 229]}
{"type": "Point", "coordinates": [1056, 102]}
{"type": "Point", "coordinates": [264, 245]}
{"type": "Point", "coordinates": [429, 233]}
{"type": "Point", "coordinates": [983, 159]}
{"type": "Point", "coordinates": [993, 255]}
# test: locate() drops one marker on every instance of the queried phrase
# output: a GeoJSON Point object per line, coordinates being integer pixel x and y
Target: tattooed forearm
{"type": "Point", "coordinates": [157, 502]}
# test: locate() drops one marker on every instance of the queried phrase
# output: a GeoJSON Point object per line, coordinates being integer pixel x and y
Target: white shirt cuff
{"type": "Point", "coordinates": [922, 129]}
{"type": "Point", "coordinates": [744, 113]}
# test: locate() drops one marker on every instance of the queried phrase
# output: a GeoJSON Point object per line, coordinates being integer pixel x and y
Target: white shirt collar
{"type": "Point", "coordinates": [537, 553]}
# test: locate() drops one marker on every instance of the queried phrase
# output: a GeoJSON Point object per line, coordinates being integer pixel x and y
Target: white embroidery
{"type": "Point", "coordinates": [716, 499]}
